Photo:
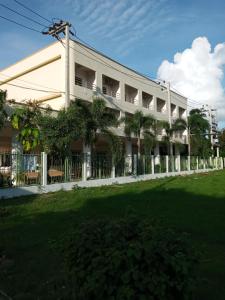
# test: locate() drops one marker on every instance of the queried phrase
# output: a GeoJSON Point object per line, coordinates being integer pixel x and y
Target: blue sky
{"type": "Point", "coordinates": [138, 33]}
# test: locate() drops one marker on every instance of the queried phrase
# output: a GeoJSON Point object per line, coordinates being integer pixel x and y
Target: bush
{"type": "Point", "coordinates": [128, 259]}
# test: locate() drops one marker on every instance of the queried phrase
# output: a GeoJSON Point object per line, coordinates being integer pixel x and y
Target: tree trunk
{"type": "Point", "coordinates": [139, 147]}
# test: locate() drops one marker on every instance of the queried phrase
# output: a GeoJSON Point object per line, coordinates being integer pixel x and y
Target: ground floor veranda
{"type": "Point", "coordinates": [21, 169]}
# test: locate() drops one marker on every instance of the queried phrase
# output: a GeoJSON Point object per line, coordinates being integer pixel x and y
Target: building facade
{"type": "Point", "coordinates": [41, 77]}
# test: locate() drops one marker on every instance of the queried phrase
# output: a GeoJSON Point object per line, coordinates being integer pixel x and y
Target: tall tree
{"type": "Point", "coordinates": [25, 121]}
{"type": "Point", "coordinates": [177, 126]}
{"type": "Point", "coordinates": [3, 114]}
{"type": "Point", "coordinates": [140, 124]}
{"type": "Point", "coordinates": [97, 119]}
{"type": "Point", "coordinates": [222, 142]}
{"type": "Point", "coordinates": [198, 129]}
{"type": "Point", "coordinates": [59, 130]}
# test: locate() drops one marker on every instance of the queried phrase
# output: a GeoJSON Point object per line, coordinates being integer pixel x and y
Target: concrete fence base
{"type": "Point", "coordinates": [32, 190]}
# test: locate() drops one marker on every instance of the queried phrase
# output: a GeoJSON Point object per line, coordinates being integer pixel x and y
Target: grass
{"type": "Point", "coordinates": [31, 226]}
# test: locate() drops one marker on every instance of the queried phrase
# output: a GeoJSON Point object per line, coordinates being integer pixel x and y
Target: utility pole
{"type": "Point", "coordinates": [55, 30]}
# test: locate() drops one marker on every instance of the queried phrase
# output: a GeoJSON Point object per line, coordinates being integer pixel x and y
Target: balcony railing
{"type": "Point", "coordinates": [87, 84]}
{"type": "Point", "coordinates": [110, 93]}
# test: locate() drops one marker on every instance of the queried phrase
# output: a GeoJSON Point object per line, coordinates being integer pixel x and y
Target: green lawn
{"type": "Point", "coordinates": [31, 226]}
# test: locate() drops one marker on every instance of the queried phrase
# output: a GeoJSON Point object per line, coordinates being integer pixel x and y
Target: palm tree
{"type": "Point", "coordinates": [177, 126]}
{"type": "Point", "coordinates": [140, 124]}
{"type": "Point", "coordinates": [97, 119]}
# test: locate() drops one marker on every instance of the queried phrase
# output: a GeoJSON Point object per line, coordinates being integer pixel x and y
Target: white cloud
{"type": "Point", "coordinates": [197, 73]}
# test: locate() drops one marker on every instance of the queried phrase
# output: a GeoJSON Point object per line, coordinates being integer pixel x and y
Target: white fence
{"type": "Point", "coordinates": [43, 171]}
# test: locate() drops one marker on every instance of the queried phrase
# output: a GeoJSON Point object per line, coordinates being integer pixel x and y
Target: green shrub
{"type": "Point", "coordinates": [128, 259]}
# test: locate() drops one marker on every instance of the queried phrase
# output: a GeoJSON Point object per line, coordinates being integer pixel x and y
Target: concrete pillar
{"type": "Point", "coordinates": [178, 163]}
{"type": "Point", "coordinates": [128, 158]}
{"type": "Point", "coordinates": [156, 153]}
{"type": "Point", "coordinates": [44, 168]}
{"type": "Point", "coordinates": [16, 159]}
{"type": "Point", "coordinates": [86, 162]}
{"type": "Point", "coordinates": [113, 172]}
{"type": "Point", "coordinates": [153, 165]}
{"type": "Point", "coordinates": [139, 101]}
{"type": "Point", "coordinates": [167, 164]}
{"type": "Point", "coordinates": [189, 163]}
{"type": "Point", "coordinates": [217, 151]}
{"type": "Point", "coordinates": [154, 103]}
{"type": "Point", "coordinates": [210, 162]}
{"type": "Point", "coordinates": [98, 82]}
{"type": "Point", "coordinates": [122, 91]}
{"type": "Point", "coordinates": [135, 164]}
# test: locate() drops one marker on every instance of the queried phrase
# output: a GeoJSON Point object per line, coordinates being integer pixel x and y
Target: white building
{"type": "Point", "coordinates": [41, 76]}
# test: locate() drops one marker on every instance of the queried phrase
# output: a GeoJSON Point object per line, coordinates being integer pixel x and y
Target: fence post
{"type": "Point", "coordinates": [210, 162]}
{"type": "Point", "coordinates": [153, 164]}
{"type": "Point", "coordinates": [44, 169]}
{"type": "Point", "coordinates": [84, 167]}
{"type": "Point", "coordinates": [204, 166]}
{"type": "Point", "coordinates": [113, 172]}
{"type": "Point", "coordinates": [135, 164]}
{"type": "Point", "coordinates": [216, 162]}
{"type": "Point", "coordinates": [178, 163]}
{"type": "Point", "coordinates": [167, 164]}
{"type": "Point", "coordinates": [189, 163]}
{"type": "Point", "coordinates": [197, 163]}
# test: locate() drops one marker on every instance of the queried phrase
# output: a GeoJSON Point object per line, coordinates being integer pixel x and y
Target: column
{"type": "Point", "coordinates": [156, 153]}
{"type": "Point", "coordinates": [44, 168]}
{"type": "Point", "coordinates": [86, 162]}
{"type": "Point", "coordinates": [128, 159]}
{"type": "Point", "coordinates": [16, 163]}
{"type": "Point", "coordinates": [98, 82]}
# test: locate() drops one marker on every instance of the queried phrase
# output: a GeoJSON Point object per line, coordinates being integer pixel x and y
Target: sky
{"type": "Point", "coordinates": [181, 41]}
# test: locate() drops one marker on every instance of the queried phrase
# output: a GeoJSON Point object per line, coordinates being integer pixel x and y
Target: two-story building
{"type": "Point", "coordinates": [41, 77]}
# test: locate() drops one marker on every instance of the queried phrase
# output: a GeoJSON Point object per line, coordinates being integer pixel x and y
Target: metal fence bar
{"type": "Point", "coordinates": [18, 169]}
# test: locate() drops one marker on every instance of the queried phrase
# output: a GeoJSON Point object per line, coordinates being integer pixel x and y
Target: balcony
{"type": "Point", "coordinates": [173, 110]}
{"type": "Point", "coordinates": [182, 113]}
{"type": "Point", "coordinates": [85, 77]}
{"type": "Point", "coordinates": [147, 101]}
{"type": "Point", "coordinates": [131, 94]}
{"type": "Point", "coordinates": [110, 87]}
{"type": "Point", "coordinates": [160, 106]}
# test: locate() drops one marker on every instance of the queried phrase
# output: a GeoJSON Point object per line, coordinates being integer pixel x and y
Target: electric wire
{"type": "Point", "coordinates": [31, 10]}
{"type": "Point", "coordinates": [22, 15]}
{"type": "Point", "coordinates": [19, 24]}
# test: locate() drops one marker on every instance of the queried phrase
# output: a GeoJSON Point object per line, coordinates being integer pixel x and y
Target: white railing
{"type": "Point", "coordinates": [23, 170]}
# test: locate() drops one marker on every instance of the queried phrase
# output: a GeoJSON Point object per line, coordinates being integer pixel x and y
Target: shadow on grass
{"type": "Point", "coordinates": [30, 237]}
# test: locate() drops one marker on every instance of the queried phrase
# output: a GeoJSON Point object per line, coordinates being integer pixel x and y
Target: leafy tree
{"type": "Point", "coordinates": [198, 128]}
{"type": "Point", "coordinates": [140, 124]}
{"type": "Point", "coordinates": [222, 142]}
{"type": "Point", "coordinates": [25, 121]}
{"type": "Point", "coordinates": [3, 114]}
{"type": "Point", "coordinates": [178, 126]}
{"type": "Point", "coordinates": [59, 130]}
{"type": "Point", "coordinates": [97, 119]}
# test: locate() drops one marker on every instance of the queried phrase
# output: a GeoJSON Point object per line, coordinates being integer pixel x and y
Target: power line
{"type": "Point", "coordinates": [19, 24]}
{"type": "Point", "coordinates": [31, 10]}
{"type": "Point", "coordinates": [25, 81]}
{"type": "Point", "coordinates": [24, 16]}
{"type": "Point", "coordinates": [33, 89]}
